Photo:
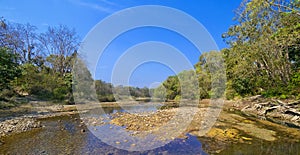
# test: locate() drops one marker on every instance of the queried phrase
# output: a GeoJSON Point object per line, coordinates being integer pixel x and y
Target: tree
{"type": "Point", "coordinates": [257, 61]}
{"type": "Point", "coordinates": [172, 86]}
{"type": "Point", "coordinates": [59, 44]}
{"type": "Point", "coordinates": [188, 85]}
{"type": "Point", "coordinates": [211, 74]}
{"type": "Point", "coordinates": [21, 39]}
{"type": "Point", "coordinates": [159, 93]}
{"type": "Point", "coordinates": [104, 91]}
{"type": "Point", "coordinates": [9, 68]}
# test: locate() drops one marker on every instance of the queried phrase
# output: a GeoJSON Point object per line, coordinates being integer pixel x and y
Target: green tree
{"type": "Point", "coordinates": [9, 68]}
{"type": "Point", "coordinates": [159, 93]}
{"type": "Point", "coordinates": [257, 60]}
{"type": "Point", "coordinates": [172, 86]}
{"type": "Point", "coordinates": [188, 85]}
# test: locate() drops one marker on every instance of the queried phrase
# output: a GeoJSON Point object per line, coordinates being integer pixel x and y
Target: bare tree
{"type": "Point", "coordinates": [59, 44]}
{"type": "Point", "coordinates": [21, 39]}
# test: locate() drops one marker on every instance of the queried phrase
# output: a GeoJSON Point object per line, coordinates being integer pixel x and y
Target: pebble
{"type": "Point", "coordinates": [133, 144]}
{"type": "Point", "coordinates": [117, 142]}
{"type": "Point", "coordinates": [18, 125]}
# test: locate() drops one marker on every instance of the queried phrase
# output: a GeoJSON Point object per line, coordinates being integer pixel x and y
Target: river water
{"type": "Point", "coordinates": [67, 135]}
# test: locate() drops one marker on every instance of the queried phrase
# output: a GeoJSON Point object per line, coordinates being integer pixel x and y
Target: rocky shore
{"type": "Point", "coordinates": [18, 125]}
{"type": "Point", "coordinates": [26, 117]}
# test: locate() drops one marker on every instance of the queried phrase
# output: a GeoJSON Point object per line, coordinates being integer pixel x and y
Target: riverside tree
{"type": "Point", "coordinates": [261, 44]}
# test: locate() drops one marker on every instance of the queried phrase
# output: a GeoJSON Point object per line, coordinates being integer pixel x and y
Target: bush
{"type": "Point", "coordinates": [106, 98]}
{"type": "Point", "coordinates": [60, 93]}
{"type": "Point", "coordinates": [7, 93]}
{"type": "Point", "coordinates": [283, 96]}
{"type": "Point", "coordinates": [294, 84]}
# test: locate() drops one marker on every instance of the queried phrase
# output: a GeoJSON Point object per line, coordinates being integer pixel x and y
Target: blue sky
{"type": "Point", "coordinates": [83, 15]}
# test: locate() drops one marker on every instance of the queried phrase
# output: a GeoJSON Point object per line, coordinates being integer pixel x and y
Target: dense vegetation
{"type": "Point", "coordinates": [263, 55]}
{"type": "Point", "coordinates": [37, 64]}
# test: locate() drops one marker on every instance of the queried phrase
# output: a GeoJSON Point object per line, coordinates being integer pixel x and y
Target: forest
{"type": "Point", "coordinates": [262, 58]}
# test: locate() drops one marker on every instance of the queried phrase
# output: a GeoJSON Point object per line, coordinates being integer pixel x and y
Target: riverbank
{"type": "Point", "coordinates": [234, 125]}
{"type": "Point", "coordinates": [285, 112]}
{"type": "Point", "coordinates": [26, 117]}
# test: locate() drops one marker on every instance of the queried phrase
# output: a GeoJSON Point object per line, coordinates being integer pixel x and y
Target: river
{"type": "Point", "coordinates": [67, 135]}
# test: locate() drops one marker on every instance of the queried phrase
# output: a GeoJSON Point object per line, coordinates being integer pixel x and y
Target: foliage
{"type": "Point", "coordinates": [264, 47]}
{"type": "Point", "coordinates": [104, 91]}
{"type": "Point", "coordinates": [172, 86]}
{"type": "Point", "coordinates": [9, 68]}
{"type": "Point", "coordinates": [188, 85]}
{"type": "Point", "coordinates": [159, 93]}
{"type": "Point", "coordinates": [41, 83]}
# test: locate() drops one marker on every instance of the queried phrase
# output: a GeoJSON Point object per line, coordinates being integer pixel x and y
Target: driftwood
{"type": "Point", "coordinates": [275, 109]}
{"type": "Point", "coordinates": [267, 104]}
{"type": "Point", "coordinates": [271, 109]}
{"type": "Point", "coordinates": [294, 103]}
{"type": "Point", "coordinates": [292, 112]}
{"type": "Point", "coordinates": [254, 98]}
{"type": "Point", "coordinates": [281, 103]}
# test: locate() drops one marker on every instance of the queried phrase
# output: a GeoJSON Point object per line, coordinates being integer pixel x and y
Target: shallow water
{"type": "Point", "coordinates": [66, 135]}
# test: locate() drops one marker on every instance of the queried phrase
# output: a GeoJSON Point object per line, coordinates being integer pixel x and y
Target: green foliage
{"type": "Point", "coordinates": [42, 83]}
{"type": "Point", "coordinates": [189, 86]}
{"type": "Point", "coordinates": [172, 86]}
{"type": "Point", "coordinates": [294, 85]}
{"type": "Point", "coordinates": [159, 93]}
{"type": "Point", "coordinates": [9, 68]}
{"type": "Point", "coordinates": [177, 98]}
{"type": "Point", "coordinates": [264, 48]}
{"type": "Point", "coordinates": [60, 93]}
{"type": "Point", "coordinates": [104, 91]}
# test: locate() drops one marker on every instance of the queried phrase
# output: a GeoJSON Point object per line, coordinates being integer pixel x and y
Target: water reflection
{"type": "Point", "coordinates": [66, 135]}
{"type": "Point", "coordinates": [140, 108]}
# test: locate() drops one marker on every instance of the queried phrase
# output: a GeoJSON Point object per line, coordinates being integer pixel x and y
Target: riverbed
{"type": "Point", "coordinates": [233, 133]}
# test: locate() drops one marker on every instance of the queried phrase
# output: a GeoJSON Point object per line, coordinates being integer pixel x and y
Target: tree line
{"type": "Point", "coordinates": [40, 64]}
{"type": "Point", "coordinates": [263, 57]}
{"type": "Point", "coordinates": [37, 64]}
